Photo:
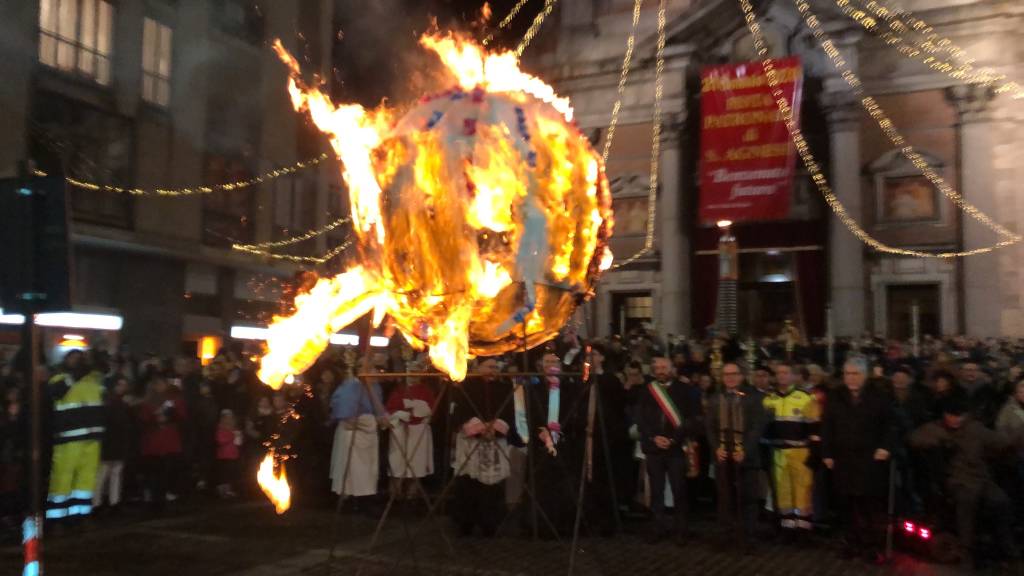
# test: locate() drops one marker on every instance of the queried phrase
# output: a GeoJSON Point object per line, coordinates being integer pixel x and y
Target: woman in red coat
{"type": "Point", "coordinates": [160, 415]}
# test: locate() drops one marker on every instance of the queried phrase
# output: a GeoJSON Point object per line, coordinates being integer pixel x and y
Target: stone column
{"type": "Point", "coordinates": [845, 251]}
{"type": "Point", "coordinates": [982, 300]}
{"type": "Point", "coordinates": [673, 241]}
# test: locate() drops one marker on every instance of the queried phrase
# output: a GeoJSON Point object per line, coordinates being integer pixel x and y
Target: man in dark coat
{"type": "Point", "coordinates": [857, 440]}
{"type": "Point", "coordinates": [667, 416]}
{"type": "Point", "coordinates": [735, 421]}
{"type": "Point", "coordinates": [557, 421]}
{"type": "Point", "coordinates": [606, 444]}
{"type": "Point", "coordinates": [482, 415]}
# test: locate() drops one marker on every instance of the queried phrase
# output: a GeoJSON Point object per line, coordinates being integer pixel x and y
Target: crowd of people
{"type": "Point", "coordinates": [118, 430]}
{"type": "Point", "coordinates": [655, 432]}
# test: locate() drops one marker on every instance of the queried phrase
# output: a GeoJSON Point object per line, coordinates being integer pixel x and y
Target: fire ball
{"type": "Point", "coordinates": [482, 216]}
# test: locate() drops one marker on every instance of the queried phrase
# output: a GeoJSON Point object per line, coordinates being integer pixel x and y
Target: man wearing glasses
{"type": "Point", "coordinates": [735, 422]}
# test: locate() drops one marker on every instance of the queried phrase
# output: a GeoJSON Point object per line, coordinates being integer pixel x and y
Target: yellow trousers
{"type": "Point", "coordinates": [72, 479]}
{"type": "Point", "coordinates": [794, 483]}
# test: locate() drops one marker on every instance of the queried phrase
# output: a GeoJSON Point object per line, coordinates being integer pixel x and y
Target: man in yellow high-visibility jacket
{"type": "Point", "coordinates": [792, 432]}
{"type": "Point", "coordinates": [78, 424]}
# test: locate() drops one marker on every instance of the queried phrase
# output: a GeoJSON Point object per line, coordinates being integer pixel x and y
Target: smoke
{"type": "Point", "coordinates": [378, 55]}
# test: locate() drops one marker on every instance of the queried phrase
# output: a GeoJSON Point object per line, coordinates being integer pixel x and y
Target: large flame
{"type": "Point", "coordinates": [275, 485]}
{"type": "Point", "coordinates": [481, 214]}
{"type": "Point", "coordinates": [497, 72]}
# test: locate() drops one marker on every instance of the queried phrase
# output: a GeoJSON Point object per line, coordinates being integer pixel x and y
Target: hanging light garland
{"type": "Point", "coordinates": [538, 20]}
{"type": "Point", "coordinates": [652, 192]}
{"type": "Point", "coordinates": [506, 20]}
{"type": "Point", "coordinates": [226, 187]}
{"type": "Point", "coordinates": [814, 169]}
{"type": "Point", "coordinates": [294, 239]}
{"type": "Point", "coordinates": [896, 27]}
{"type": "Point", "coordinates": [291, 258]}
{"type": "Point", "coordinates": [623, 75]}
{"type": "Point", "coordinates": [888, 127]}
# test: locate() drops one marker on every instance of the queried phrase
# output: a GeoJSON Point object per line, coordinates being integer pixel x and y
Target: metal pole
{"type": "Point", "coordinates": [915, 320]}
{"type": "Point", "coordinates": [34, 545]}
{"type": "Point", "coordinates": [831, 339]}
{"type": "Point", "coordinates": [587, 459]}
{"type": "Point", "coordinates": [892, 509]}
{"type": "Point", "coordinates": [609, 467]}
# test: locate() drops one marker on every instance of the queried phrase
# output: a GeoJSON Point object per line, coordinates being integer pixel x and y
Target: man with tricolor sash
{"type": "Point", "coordinates": [666, 417]}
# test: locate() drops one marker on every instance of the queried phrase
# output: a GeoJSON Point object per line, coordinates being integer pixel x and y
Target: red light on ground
{"type": "Point", "coordinates": [909, 527]}
{"type": "Point", "coordinates": [925, 533]}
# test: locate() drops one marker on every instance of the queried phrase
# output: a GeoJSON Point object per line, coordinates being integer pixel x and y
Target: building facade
{"type": "Point", "coordinates": [170, 94]}
{"type": "Point", "coordinates": [808, 267]}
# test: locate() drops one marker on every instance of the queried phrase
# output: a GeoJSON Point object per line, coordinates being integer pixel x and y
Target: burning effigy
{"type": "Point", "coordinates": [481, 215]}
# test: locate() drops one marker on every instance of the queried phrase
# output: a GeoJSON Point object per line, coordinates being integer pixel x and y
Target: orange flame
{"type": "Point", "coordinates": [297, 341]}
{"type": "Point", "coordinates": [472, 226]}
{"type": "Point", "coordinates": [494, 72]}
{"type": "Point", "coordinates": [275, 484]}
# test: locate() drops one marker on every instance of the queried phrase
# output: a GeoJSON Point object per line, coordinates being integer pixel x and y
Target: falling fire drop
{"type": "Point", "coordinates": [275, 485]}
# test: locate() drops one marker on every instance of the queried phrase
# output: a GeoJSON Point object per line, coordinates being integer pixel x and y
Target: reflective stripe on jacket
{"type": "Point", "coordinates": [79, 413]}
{"type": "Point", "coordinates": [792, 418]}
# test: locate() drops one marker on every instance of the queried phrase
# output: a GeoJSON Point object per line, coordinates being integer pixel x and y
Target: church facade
{"type": "Point", "coordinates": [808, 267]}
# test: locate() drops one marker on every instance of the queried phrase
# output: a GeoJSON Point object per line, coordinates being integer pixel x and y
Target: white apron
{"type": "Point", "coordinates": [364, 461]}
{"type": "Point", "coordinates": [488, 464]}
{"type": "Point", "coordinates": [418, 443]}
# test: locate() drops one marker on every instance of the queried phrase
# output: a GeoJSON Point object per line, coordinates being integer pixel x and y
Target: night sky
{"type": "Point", "coordinates": [376, 53]}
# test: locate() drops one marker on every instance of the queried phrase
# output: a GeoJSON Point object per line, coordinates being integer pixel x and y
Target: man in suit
{"type": "Point", "coordinates": [735, 422]}
{"type": "Point", "coordinates": [666, 418]}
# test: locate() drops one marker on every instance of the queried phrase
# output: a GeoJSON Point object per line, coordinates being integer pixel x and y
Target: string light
{"type": "Point", "coordinates": [226, 187]}
{"type": "Point", "coordinates": [291, 258]}
{"type": "Point", "coordinates": [807, 157]}
{"type": "Point", "coordinates": [623, 75]}
{"type": "Point", "coordinates": [928, 50]}
{"type": "Point", "coordinates": [506, 20]}
{"type": "Point", "coordinates": [652, 192]}
{"type": "Point", "coordinates": [549, 5]}
{"type": "Point", "coordinates": [294, 239]}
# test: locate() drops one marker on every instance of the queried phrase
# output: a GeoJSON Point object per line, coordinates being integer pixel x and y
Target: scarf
{"type": "Point", "coordinates": [660, 393]}
{"type": "Point", "coordinates": [554, 402]}
{"type": "Point", "coordinates": [730, 420]}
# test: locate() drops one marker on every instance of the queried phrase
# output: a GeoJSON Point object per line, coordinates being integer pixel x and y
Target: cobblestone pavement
{"type": "Point", "coordinates": [248, 539]}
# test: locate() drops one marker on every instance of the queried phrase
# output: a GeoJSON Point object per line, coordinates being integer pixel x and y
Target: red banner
{"type": "Point", "coordinates": [746, 166]}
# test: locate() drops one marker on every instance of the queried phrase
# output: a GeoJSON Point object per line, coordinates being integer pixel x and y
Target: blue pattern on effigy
{"type": "Point", "coordinates": [434, 118]}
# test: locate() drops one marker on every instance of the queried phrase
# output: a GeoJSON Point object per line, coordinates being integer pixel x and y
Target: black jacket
{"type": "Point", "coordinates": [120, 433]}
{"type": "Point", "coordinates": [486, 400]}
{"type": "Point", "coordinates": [852, 432]}
{"type": "Point", "coordinates": [651, 420]}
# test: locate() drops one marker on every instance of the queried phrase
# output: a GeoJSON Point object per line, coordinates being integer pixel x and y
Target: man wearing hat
{"type": "Point", "coordinates": [967, 446]}
{"type": "Point", "coordinates": [911, 409]}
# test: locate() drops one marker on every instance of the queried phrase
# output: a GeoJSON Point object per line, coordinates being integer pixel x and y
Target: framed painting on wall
{"type": "Point", "coordinates": [908, 199]}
